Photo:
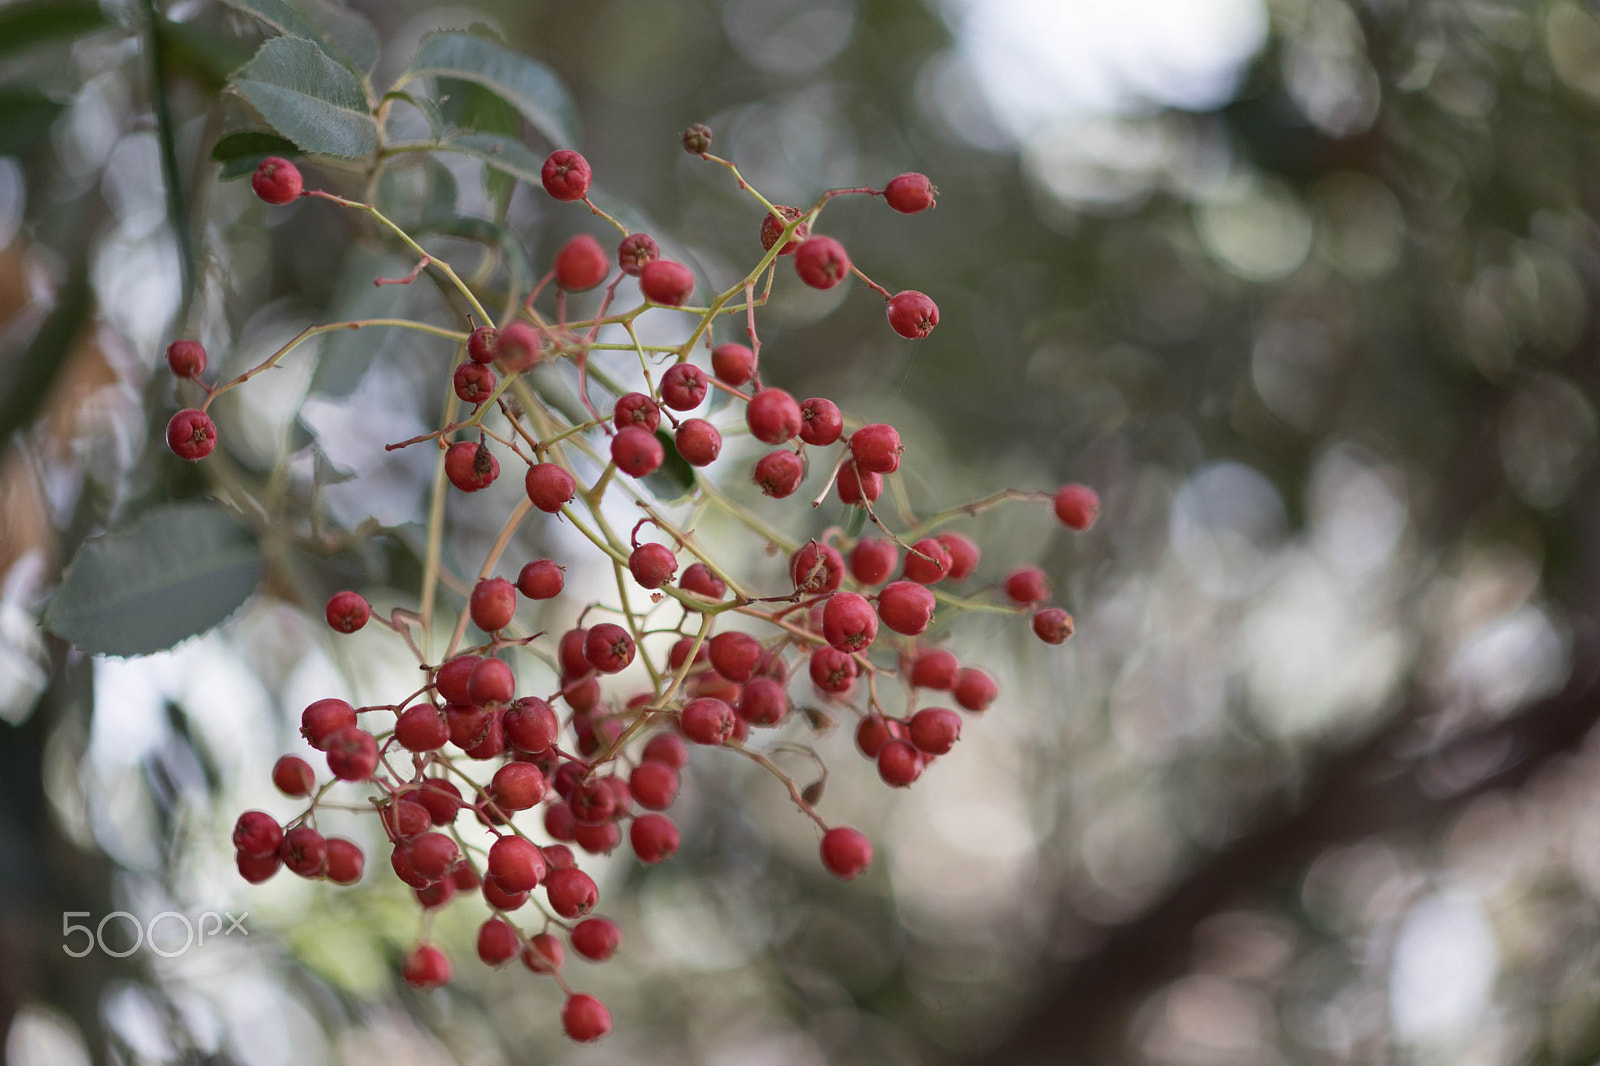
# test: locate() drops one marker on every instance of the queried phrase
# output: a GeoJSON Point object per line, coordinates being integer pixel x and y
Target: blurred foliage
{"type": "Point", "coordinates": [1312, 783]}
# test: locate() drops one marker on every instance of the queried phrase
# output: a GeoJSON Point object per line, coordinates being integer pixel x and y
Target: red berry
{"type": "Point", "coordinates": [257, 834]}
{"type": "Point", "coordinates": [654, 838]}
{"type": "Point", "coordinates": [352, 754]}
{"type": "Point", "coordinates": [876, 448]}
{"type": "Point", "coordinates": [492, 743]}
{"type": "Point", "coordinates": [433, 855]}
{"type": "Point", "coordinates": [452, 677]}
{"type": "Point", "coordinates": [441, 798]}
{"type": "Point", "coordinates": [779, 473]}
{"type": "Point", "coordinates": [935, 730]}
{"type": "Point", "coordinates": [637, 251]}
{"type": "Point", "coordinates": [191, 434]}
{"type": "Point", "coordinates": [683, 386]}
{"type": "Point", "coordinates": [541, 580]}
{"type": "Point", "coordinates": [873, 559]}
{"type": "Point", "coordinates": [597, 839]}
{"type": "Point", "coordinates": [910, 193]}
{"type": "Point", "coordinates": [400, 863]}
{"type": "Point", "coordinates": [303, 851]}
{"type": "Point", "coordinates": [427, 967]}
{"type": "Point", "coordinates": [570, 652]}
{"type": "Point", "coordinates": [927, 562]}
{"type": "Point", "coordinates": [637, 452]}
{"type": "Point", "coordinates": [543, 954]}
{"type": "Point", "coordinates": [596, 938]}
{"type": "Point", "coordinates": [518, 347]}
{"type": "Point", "coordinates": [592, 802]}
{"type": "Point", "coordinates": [667, 748]}
{"type": "Point", "coordinates": [974, 689]}
{"type": "Point", "coordinates": [1052, 625]}
{"type": "Point", "coordinates": [707, 720]}
{"type": "Point", "coordinates": [853, 489]}
{"type": "Point", "coordinates": [517, 786]}
{"type": "Point", "coordinates": [935, 668]}
{"type": "Point", "coordinates": [820, 422]}
{"type": "Point", "coordinates": [549, 486]}
{"type": "Point", "coordinates": [421, 728]}
{"type": "Point", "coordinates": [322, 719]}
{"type": "Point", "coordinates": [821, 262]}
{"type": "Point", "coordinates": [277, 181]}
{"type": "Point", "coordinates": [905, 607]}
{"type": "Point", "coordinates": [473, 382]}
{"type": "Point", "coordinates": [186, 359]}
{"type": "Point", "coordinates": [654, 784]}
{"type": "Point", "coordinates": [530, 725]}
{"type": "Point", "coordinates": [1028, 585]}
{"type": "Point", "coordinates": [848, 622]}
{"type": "Point", "coordinates": [581, 264]}
{"type": "Point", "coordinates": [872, 734]}
{"type": "Point", "coordinates": [700, 580]}
{"type": "Point", "coordinates": [345, 861]}
{"type": "Point", "coordinates": [257, 868]}
{"type": "Point", "coordinates": [773, 416]}
{"type": "Point", "coordinates": [666, 282]}
{"type": "Point", "coordinates": [636, 409]}
{"type": "Point", "coordinates": [608, 648]}
{"type": "Point", "coordinates": [585, 1018]}
{"type": "Point", "coordinates": [491, 681]}
{"type": "Point", "coordinates": [912, 314]}
{"type": "Point", "coordinates": [565, 175]}
{"type": "Point", "coordinates": [1077, 506]}
{"type": "Point", "coordinates": [293, 776]}
{"type": "Point", "coordinates": [493, 604]}
{"type": "Point", "coordinates": [816, 567]}
{"type": "Point", "coordinates": [698, 441]}
{"type": "Point", "coordinates": [772, 228]}
{"type": "Point", "coordinates": [734, 364]}
{"type": "Point", "coordinates": [572, 892]}
{"type": "Point", "coordinates": [735, 655]}
{"type": "Point", "coordinates": [964, 555]}
{"type": "Point", "coordinates": [498, 942]}
{"type": "Point", "coordinates": [469, 724]}
{"type": "Point", "coordinates": [832, 670]}
{"type": "Point", "coordinates": [481, 344]}
{"type": "Point", "coordinates": [899, 763]}
{"type": "Point", "coordinates": [347, 612]}
{"type": "Point", "coordinates": [516, 863]}
{"type": "Point", "coordinates": [763, 702]}
{"type": "Point", "coordinates": [470, 466]}
{"type": "Point", "coordinates": [846, 853]}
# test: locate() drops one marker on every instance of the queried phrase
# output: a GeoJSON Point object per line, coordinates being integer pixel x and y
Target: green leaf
{"type": "Point", "coordinates": [473, 108]}
{"type": "Point", "coordinates": [429, 109]}
{"type": "Point", "coordinates": [527, 85]}
{"type": "Point", "coordinates": [504, 154]}
{"type": "Point", "coordinates": [25, 118]}
{"type": "Point", "coordinates": [854, 524]}
{"type": "Point", "coordinates": [675, 477]}
{"type": "Point", "coordinates": [343, 34]}
{"type": "Point", "coordinates": [178, 571]}
{"type": "Point", "coordinates": [240, 153]}
{"type": "Point", "coordinates": [24, 25]}
{"type": "Point", "coordinates": [309, 98]}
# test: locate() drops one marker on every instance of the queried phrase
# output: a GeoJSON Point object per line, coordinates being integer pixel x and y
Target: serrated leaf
{"type": "Point", "coordinates": [429, 109]}
{"type": "Point", "coordinates": [526, 84]}
{"type": "Point", "coordinates": [240, 153]}
{"type": "Point", "coordinates": [675, 477]}
{"type": "Point", "coordinates": [343, 34]}
{"type": "Point", "coordinates": [309, 98]}
{"type": "Point", "coordinates": [177, 572]}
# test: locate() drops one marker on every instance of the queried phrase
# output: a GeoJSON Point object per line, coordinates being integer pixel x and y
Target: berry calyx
{"type": "Point", "coordinates": [347, 612]}
{"type": "Point", "coordinates": [912, 314]}
{"type": "Point", "coordinates": [470, 466]}
{"type": "Point", "coordinates": [733, 364]}
{"type": "Point", "coordinates": [549, 486]}
{"type": "Point", "coordinates": [910, 193]}
{"type": "Point", "coordinates": [666, 282]}
{"type": "Point", "coordinates": [821, 262]}
{"type": "Point", "coordinates": [277, 181]}
{"type": "Point", "coordinates": [846, 853]}
{"type": "Point", "coordinates": [191, 434]}
{"type": "Point", "coordinates": [1077, 506]}
{"type": "Point", "coordinates": [772, 228]}
{"type": "Point", "coordinates": [186, 359]}
{"type": "Point", "coordinates": [566, 175]}
{"type": "Point", "coordinates": [697, 139]}
{"type": "Point", "coordinates": [637, 251]}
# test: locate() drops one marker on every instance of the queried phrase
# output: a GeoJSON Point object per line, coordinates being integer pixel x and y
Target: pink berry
{"type": "Point", "coordinates": [515, 863]}
{"type": "Point", "coordinates": [899, 763]}
{"type": "Point", "coordinates": [1077, 506]}
{"type": "Point", "coordinates": [474, 383]}
{"type": "Point", "coordinates": [544, 953]}
{"type": "Point", "coordinates": [530, 724]}
{"type": "Point", "coordinates": [304, 851]}
{"type": "Point", "coordinates": [1052, 625]}
{"type": "Point", "coordinates": [491, 681]}
{"type": "Point", "coordinates": [735, 655]}
{"type": "Point", "coordinates": [683, 386]}
{"type": "Point", "coordinates": [352, 754]}
{"type": "Point", "coordinates": [974, 689]}
{"type": "Point", "coordinates": [816, 567]}
{"type": "Point", "coordinates": [518, 347]}
{"type": "Point", "coordinates": [734, 364]}
{"type": "Point", "coordinates": [191, 434]}
{"type": "Point", "coordinates": [698, 441]}
{"type": "Point", "coordinates": [453, 676]}
{"type": "Point", "coordinates": [427, 967]}
{"type": "Point", "coordinates": [964, 555]}
{"type": "Point", "coordinates": [541, 579]}
{"type": "Point", "coordinates": [421, 728]}
{"type": "Point", "coordinates": [257, 868]}
{"type": "Point", "coordinates": [666, 282]}
{"type": "Point", "coordinates": [912, 314]}
{"type": "Point", "coordinates": [667, 748]}
{"type": "Point", "coordinates": [935, 730]}
{"type": "Point", "coordinates": [549, 486]}
{"type": "Point", "coordinates": [763, 702]}
{"type": "Point", "coordinates": [848, 622]}
{"type": "Point", "coordinates": [470, 466]}
{"type": "Point", "coordinates": [833, 671]}
{"type": "Point", "coordinates": [566, 175]}
{"type": "Point", "coordinates": [855, 489]}
{"type": "Point", "coordinates": [596, 938]}
{"type": "Point", "coordinates": [257, 834]}
{"type": "Point", "coordinates": [637, 452]}
{"type": "Point", "coordinates": [637, 251]}
{"type": "Point", "coordinates": [482, 344]}
{"type": "Point", "coordinates": [707, 721]}
{"type": "Point", "coordinates": [905, 607]}
{"type": "Point", "coordinates": [935, 668]}
{"type": "Point", "coordinates": [636, 409]}
{"type": "Point", "coordinates": [497, 941]}
{"type": "Point", "coordinates": [347, 612]}
{"type": "Point", "coordinates": [581, 264]}
{"type": "Point", "coordinates": [585, 1018]}
{"type": "Point", "coordinates": [186, 359]}
{"type": "Point", "coordinates": [493, 604]}
{"type": "Point", "coordinates": [779, 473]}
{"type": "Point", "coordinates": [927, 562]}
{"type": "Point", "coordinates": [572, 893]}
{"type": "Point", "coordinates": [1028, 585]}
{"type": "Point", "coordinates": [820, 422]}
{"type": "Point", "coordinates": [873, 559]}
{"type": "Point", "coordinates": [654, 785]}
{"type": "Point", "coordinates": [876, 448]}
{"type": "Point", "coordinates": [773, 416]}
{"type": "Point", "coordinates": [652, 565]}
{"type": "Point", "coordinates": [277, 181]}
{"type": "Point", "coordinates": [608, 647]}
{"type": "Point", "coordinates": [910, 193]}
{"type": "Point", "coordinates": [702, 581]}
{"type": "Point", "coordinates": [821, 262]}
{"type": "Point", "coordinates": [654, 837]}
{"type": "Point", "coordinates": [846, 853]}
{"type": "Point", "coordinates": [293, 776]}
{"type": "Point", "coordinates": [322, 719]}
{"type": "Point", "coordinates": [517, 786]}
{"type": "Point", "coordinates": [345, 861]}
{"type": "Point", "coordinates": [772, 228]}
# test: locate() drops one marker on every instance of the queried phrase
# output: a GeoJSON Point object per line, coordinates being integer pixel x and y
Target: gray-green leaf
{"type": "Point", "coordinates": [528, 85]}
{"type": "Point", "coordinates": [309, 98]}
{"type": "Point", "coordinates": [178, 571]}
{"type": "Point", "coordinates": [344, 34]}
{"type": "Point", "coordinates": [504, 154]}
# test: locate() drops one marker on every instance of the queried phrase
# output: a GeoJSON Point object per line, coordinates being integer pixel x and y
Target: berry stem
{"type": "Point", "coordinates": [620, 227]}
{"type": "Point", "coordinates": [499, 546]}
{"type": "Point", "coordinates": [788, 782]}
{"type": "Point", "coordinates": [967, 510]}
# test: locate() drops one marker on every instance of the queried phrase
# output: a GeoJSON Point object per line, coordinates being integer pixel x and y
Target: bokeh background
{"type": "Point", "coordinates": [1305, 288]}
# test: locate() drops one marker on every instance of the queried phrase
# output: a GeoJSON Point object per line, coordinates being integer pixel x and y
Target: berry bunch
{"type": "Point", "coordinates": [573, 767]}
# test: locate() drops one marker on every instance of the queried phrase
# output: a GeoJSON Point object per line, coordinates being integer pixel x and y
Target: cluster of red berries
{"type": "Point", "coordinates": [598, 765]}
